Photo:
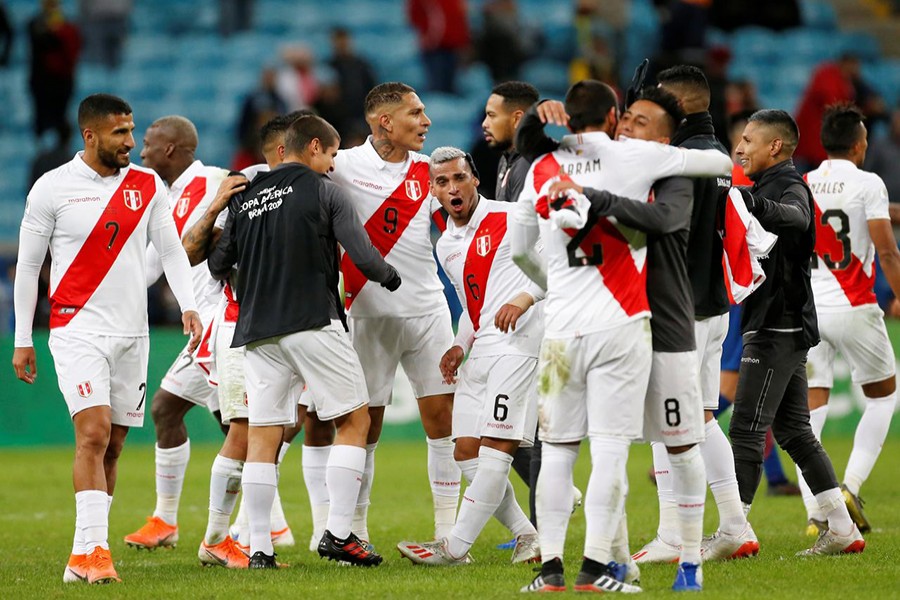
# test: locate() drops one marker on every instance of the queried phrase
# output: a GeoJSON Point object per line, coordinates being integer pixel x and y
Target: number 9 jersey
{"type": "Point", "coordinates": [846, 199]}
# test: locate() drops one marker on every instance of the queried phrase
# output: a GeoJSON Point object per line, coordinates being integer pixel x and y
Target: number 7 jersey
{"type": "Point", "coordinates": [98, 229]}
{"type": "Point", "coordinates": [846, 199]}
{"type": "Point", "coordinates": [395, 206]}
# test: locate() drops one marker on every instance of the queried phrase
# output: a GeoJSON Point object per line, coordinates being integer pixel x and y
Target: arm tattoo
{"type": "Point", "coordinates": [196, 241]}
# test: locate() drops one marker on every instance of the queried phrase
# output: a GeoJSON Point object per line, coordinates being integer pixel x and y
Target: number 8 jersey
{"type": "Point", "coordinates": [846, 199]}
{"type": "Point", "coordinates": [394, 203]}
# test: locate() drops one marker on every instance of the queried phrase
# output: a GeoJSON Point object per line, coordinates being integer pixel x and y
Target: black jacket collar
{"type": "Point", "coordinates": [761, 179]}
{"type": "Point", "coordinates": [693, 125]}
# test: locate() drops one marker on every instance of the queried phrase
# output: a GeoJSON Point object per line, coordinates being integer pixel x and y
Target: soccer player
{"type": "Point", "coordinates": [674, 407]}
{"type": "Point", "coordinates": [283, 234]}
{"type": "Point", "coordinates": [504, 109]}
{"type": "Point", "coordinates": [169, 147]}
{"type": "Point", "coordinates": [595, 359]}
{"type": "Point", "coordinates": [387, 180]}
{"type": "Point", "coordinates": [710, 300]}
{"type": "Point", "coordinates": [779, 326]}
{"type": "Point", "coordinates": [96, 213]}
{"type": "Point", "coordinates": [495, 406]}
{"type": "Point", "coordinates": [852, 225]}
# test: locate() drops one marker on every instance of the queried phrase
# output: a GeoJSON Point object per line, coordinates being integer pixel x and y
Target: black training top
{"type": "Point", "coordinates": [704, 252]}
{"type": "Point", "coordinates": [666, 221]}
{"type": "Point", "coordinates": [783, 204]}
{"type": "Point", "coordinates": [283, 232]}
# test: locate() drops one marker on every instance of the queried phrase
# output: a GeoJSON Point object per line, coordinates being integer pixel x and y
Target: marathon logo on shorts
{"type": "Point", "coordinates": [133, 199]}
{"type": "Point", "coordinates": [84, 389]}
{"type": "Point", "coordinates": [413, 189]}
{"type": "Point", "coordinates": [483, 245]}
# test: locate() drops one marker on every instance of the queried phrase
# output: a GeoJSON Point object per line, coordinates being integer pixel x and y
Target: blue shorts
{"type": "Point", "coordinates": [733, 345]}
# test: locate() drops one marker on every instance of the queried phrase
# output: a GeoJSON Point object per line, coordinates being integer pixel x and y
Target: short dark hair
{"type": "Point", "coordinates": [687, 76]}
{"type": "Point", "coordinates": [588, 102]}
{"type": "Point", "coordinates": [305, 129]}
{"type": "Point", "coordinates": [667, 102]}
{"type": "Point", "coordinates": [782, 122]}
{"type": "Point", "coordinates": [97, 106]}
{"type": "Point", "coordinates": [391, 92]}
{"type": "Point", "coordinates": [517, 95]}
{"type": "Point", "coordinates": [841, 128]}
{"type": "Point", "coordinates": [280, 124]}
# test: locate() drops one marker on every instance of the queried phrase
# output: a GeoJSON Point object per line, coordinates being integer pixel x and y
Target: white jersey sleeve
{"type": "Point", "coordinates": [876, 199]}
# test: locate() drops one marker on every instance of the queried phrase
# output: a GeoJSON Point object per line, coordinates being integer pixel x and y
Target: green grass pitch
{"type": "Point", "coordinates": [37, 518]}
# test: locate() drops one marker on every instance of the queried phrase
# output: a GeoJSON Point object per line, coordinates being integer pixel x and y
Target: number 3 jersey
{"type": "Point", "coordinates": [394, 203]}
{"type": "Point", "coordinates": [99, 228]}
{"type": "Point", "coordinates": [477, 259]}
{"type": "Point", "coordinates": [846, 199]}
{"type": "Point", "coordinates": [596, 276]}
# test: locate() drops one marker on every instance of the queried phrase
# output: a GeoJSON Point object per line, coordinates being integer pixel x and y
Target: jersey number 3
{"type": "Point", "coordinates": [843, 236]}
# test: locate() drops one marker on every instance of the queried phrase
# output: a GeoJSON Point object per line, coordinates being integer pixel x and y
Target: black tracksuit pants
{"type": "Point", "coordinates": [772, 391]}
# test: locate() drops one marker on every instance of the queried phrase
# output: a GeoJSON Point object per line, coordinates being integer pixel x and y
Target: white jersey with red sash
{"type": "Point", "coordinates": [393, 202]}
{"type": "Point", "coordinates": [98, 229]}
{"type": "Point", "coordinates": [596, 276]}
{"type": "Point", "coordinates": [189, 197]}
{"type": "Point", "coordinates": [478, 261]}
{"type": "Point", "coordinates": [846, 199]}
{"type": "Point", "coordinates": [744, 243]}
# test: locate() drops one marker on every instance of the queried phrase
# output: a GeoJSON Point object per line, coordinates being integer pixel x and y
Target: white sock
{"type": "Point", "coordinates": [315, 463]}
{"type": "Point", "coordinates": [361, 514]}
{"type": "Point", "coordinates": [870, 435]}
{"type": "Point", "coordinates": [277, 518]}
{"type": "Point", "coordinates": [831, 503]}
{"type": "Point", "coordinates": [718, 460]}
{"type": "Point", "coordinates": [669, 529]}
{"type": "Point", "coordinates": [603, 500]}
{"type": "Point", "coordinates": [620, 551]}
{"type": "Point", "coordinates": [554, 497]}
{"type": "Point", "coordinates": [690, 493]}
{"type": "Point", "coordinates": [281, 452]}
{"type": "Point", "coordinates": [480, 500]}
{"type": "Point", "coordinates": [444, 475]}
{"type": "Point", "coordinates": [241, 526]}
{"type": "Point", "coordinates": [259, 483]}
{"type": "Point", "coordinates": [817, 417]}
{"type": "Point", "coordinates": [511, 515]}
{"type": "Point", "coordinates": [171, 463]}
{"type": "Point", "coordinates": [468, 468]}
{"type": "Point", "coordinates": [224, 487]}
{"type": "Point", "coordinates": [343, 478]}
{"type": "Point", "coordinates": [92, 515]}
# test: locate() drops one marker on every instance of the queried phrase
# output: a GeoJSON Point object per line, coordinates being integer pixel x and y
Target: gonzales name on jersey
{"type": "Point", "coordinates": [396, 208]}
{"type": "Point", "coordinates": [843, 267]}
{"type": "Point", "coordinates": [99, 229]}
{"type": "Point", "coordinates": [478, 261]}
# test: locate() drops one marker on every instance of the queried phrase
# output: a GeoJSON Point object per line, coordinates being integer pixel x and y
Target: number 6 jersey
{"type": "Point", "coordinates": [846, 199]}
{"type": "Point", "coordinates": [396, 207]}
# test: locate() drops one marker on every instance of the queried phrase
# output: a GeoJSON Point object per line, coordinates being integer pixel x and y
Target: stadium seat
{"type": "Point", "coordinates": [548, 76]}
{"type": "Point", "coordinates": [818, 14]}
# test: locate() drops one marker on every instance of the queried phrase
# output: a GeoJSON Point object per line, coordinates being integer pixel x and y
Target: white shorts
{"type": "Point", "coordinates": [595, 384]}
{"type": "Point", "coordinates": [710, 334]}
{"type": "Point", "coordinates": [418, 343]}
{"type": "Point", "coordinates": [231, 392]}
{"type": "Point", "coordinates": [102, 370]}
{"type": "Point", "coordinates": [496, 397]}
{"type": "Point", "coordinates": [673, 413]}
{"type": "Point", "coordinates": [322, 358]}
{"type": "Point", "coordinates": [186, 381]}
{"type": "Point", "coordinates": [861, 337]}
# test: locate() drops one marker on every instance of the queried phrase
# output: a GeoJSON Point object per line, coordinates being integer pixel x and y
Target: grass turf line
{"type": "Point", "coordinates": [37, 518]}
